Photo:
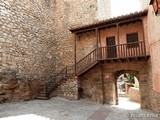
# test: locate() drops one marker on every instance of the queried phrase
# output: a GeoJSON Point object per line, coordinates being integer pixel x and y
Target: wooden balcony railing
{"type": "Point", "coordinates": [120, 51]}
{"type": "Point", "coordinates": [103, 53]}
{"type": "Point", "coordinates": [129, 50]}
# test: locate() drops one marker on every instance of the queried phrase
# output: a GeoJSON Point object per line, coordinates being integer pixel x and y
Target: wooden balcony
{"type": "Point", "coordinates": [122, 51]}
{"type": "Point", "coordinates": [115, 53]}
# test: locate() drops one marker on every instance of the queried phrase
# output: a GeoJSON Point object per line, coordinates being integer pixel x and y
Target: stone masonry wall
{"type": "Point", "coordinates": [154, 97]}
{"type": "Point", "coordinates": [27, 44]}
{"type": "Point", "coordinates": [71, 13]}
{"type": "Point", "coordinates": [92, 85]}
{"type": "Point", "coordinates": [153, 30]}
{"type": "Point", "coordinates": [35, 40]}
{"type": "Point", "coordinates": [134, 94]}
{"type": "Point", "coordinates": [86, 43]}
{"type": "Point", "coordinates": [68, 88]}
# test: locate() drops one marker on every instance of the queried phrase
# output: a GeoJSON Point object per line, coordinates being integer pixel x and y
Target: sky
{"type": "Point", "coordinates": [121, 7]}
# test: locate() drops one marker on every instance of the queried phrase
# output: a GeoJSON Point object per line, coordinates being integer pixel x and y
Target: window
{"type": "Point", "coordinates": [132, 40]}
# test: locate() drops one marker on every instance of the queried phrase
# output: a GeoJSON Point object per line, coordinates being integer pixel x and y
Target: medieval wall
{"type": "Point", "coordinates": [70, 14]}
{"type": "Point", "coordinates": [91, 85]}
{"type": "Point", "coordinates": [27, 46]}
{"type": "Point", "coordinates": [153, 23]}
{"type": "Point", "coordinates": [91, 82]}
{"type": "Point", "coordinates": [67, 88]}
{"type": "Point", "coordinates": [86, 43]}
{"type": "Point", "coordinates": [154, 31]}
{"type": "Point", "coordinates": [35, 41]}
{"type": "Point", "coordinates": [154, 42]}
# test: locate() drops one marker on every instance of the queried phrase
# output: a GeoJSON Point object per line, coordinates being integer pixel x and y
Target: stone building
{"type": "Point", "coordinates": [66, 47]}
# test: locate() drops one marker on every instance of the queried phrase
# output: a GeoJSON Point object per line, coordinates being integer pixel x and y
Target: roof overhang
{"type": "Point", "coordinates": [111, 21]}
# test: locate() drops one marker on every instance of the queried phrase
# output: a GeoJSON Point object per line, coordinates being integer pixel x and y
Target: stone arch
{"type": "Point", "coordinates": [142, 84]}
{"type": "Point", "coordinates": [131, 72]}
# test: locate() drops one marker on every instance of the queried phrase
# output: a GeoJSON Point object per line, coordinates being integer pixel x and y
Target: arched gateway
{"type": "Point", "coordinates": [99, 84]}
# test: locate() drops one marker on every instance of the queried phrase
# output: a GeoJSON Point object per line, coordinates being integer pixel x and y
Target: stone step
{"type": "Point", "coordinates": [42, 94]}
{"type": "Point", "coordinates": [42, 98]}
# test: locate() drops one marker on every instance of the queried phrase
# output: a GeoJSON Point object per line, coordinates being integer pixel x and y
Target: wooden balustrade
{"type": "Point", "coordinates": [130, 50]}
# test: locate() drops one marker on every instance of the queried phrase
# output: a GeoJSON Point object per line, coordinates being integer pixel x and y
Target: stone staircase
{"type": "Point", "coordinates": [82, 66]}
{"type": "Point", "coordinates": [53, 84]}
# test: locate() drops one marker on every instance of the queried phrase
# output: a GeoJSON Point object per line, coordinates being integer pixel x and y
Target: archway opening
{"type": "Point", "coordinates": [127, 92]}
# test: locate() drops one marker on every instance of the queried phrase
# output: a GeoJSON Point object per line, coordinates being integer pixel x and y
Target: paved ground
{"type": "Point", "coordinates": [63, 109]}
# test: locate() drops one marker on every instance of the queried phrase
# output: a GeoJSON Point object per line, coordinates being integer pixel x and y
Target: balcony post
{"type": "Point", "coordinates": [143, 37]}
{"type": "Point", "coordinates": [118, 52]}
{"type": "Point", "coordinates": [97, 37]}
{"type": "Point", "coordinates": [98, 42]}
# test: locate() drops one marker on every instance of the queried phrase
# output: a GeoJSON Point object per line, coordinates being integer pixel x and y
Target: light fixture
{"type": "Point", "coordinates": [156, 6]}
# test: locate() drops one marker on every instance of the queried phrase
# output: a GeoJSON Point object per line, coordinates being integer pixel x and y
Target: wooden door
{"type": "Point", "coordinates": [111, 48]}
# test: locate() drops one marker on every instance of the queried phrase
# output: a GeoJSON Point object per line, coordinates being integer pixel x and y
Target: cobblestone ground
{"type": "Point", "coordinates": [63, 109]}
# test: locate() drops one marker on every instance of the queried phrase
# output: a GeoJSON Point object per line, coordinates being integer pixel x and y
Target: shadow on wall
{"type": "Point", "coordinates": [17, 87]}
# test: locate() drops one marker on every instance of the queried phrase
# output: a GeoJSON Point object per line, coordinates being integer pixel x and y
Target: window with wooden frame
{"type": "Point", "coordinates": [132, 40]}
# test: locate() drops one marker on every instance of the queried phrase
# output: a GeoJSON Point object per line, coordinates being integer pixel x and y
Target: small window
{"type": "Point", "coordinates": [132, 40]}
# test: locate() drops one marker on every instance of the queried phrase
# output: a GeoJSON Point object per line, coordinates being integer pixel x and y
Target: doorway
{"type": "Point", "coordinates": [127, 90]}
{"type": "Point", "coordinates": [111, 48]}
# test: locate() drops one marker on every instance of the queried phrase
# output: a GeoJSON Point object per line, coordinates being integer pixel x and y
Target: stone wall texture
{"type": "Point", "coordinates": [35, 40]}
{"type": "Point", "coordinates": [91, 82]}
{"type": "Point", "coordinates": [68, 88]}
{"type": "Point", "coordinates": [68, 14]}
{"type": "Point", "coordinates": [90, 41]}
{"type": "Point", "coordinates": [27, 44]}
{"type": "Point", "coordinates": [35, 43]}
{"type": "Point", "coordinates": [134, 94]}
{"type": "Point", "coordinates": [153, 31]}
{"type": "Point", "coordinates": [91, 85]}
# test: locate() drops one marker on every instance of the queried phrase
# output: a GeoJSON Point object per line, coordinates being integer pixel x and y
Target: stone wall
{"type": "Point", "coordinates": [27, 45]}
{"type": "Point", "coordinates": [154, 97]}
{"type": "Point", "coordinates": [69, 14]}
{"type": "Point", "coordinates": [91, 82]}
{"type": "Point", "coordinates": [35, 39]}
{"type": "Point", "coordinates": [91, 85]}
{"type": "Point", "coordinates": [68, 88]}
{"type": "Point", "coordinates": [153, 31]}
{"type": "Point", "coordinates": [85, 44]}
{"type": "Point", "coordinates": [134, 94]}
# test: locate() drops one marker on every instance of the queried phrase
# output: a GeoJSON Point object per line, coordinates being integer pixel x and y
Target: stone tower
{"type": "Point", "coordinates": [35, 40]}
{"type": "Point", "coordinates": [104, 9]}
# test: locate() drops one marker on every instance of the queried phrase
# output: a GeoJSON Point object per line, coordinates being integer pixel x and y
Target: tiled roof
{"type": "Point", "coordinates": [110, 21]}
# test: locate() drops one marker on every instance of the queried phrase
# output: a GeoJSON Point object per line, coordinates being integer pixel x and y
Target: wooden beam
{"type": "Point", "coordinates": [97, 37]}
{"type": "Point", "coordinates": [107, 25]}
{"type": "Point", "coordinates": [144, 37]}
{"type": "Point", "coordinates": [118, 40]}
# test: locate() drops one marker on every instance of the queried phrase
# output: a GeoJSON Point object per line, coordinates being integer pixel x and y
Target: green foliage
{"type": "Point", "coordinates": [130, 78]}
